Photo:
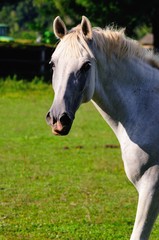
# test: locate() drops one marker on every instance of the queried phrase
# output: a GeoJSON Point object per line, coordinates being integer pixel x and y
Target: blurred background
{"type": "Point", "coordinates": [27, 40]}
{"type": "Point", "coordinates": [61, 188]}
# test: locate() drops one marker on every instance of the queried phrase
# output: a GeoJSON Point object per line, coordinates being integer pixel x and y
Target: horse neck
{"type": "Point", "coordinates": [116, 82]}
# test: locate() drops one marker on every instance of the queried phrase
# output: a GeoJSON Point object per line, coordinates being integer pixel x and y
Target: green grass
{"type": "Point", "coordinates": [71, 187]}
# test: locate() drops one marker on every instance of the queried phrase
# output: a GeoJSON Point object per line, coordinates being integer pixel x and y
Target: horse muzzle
{"type": "Point", "coordinates": [59, 126]}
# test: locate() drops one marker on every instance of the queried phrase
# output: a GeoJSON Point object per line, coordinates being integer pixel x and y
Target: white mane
{"type": "Point", "coordinates": [109, 41]}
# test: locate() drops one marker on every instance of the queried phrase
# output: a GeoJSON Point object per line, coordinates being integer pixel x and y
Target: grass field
{"type": "Point", "coordinates": [70, 188]}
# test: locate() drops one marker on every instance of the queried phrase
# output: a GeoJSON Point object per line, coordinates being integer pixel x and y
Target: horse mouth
{"type": "Point", "coordinates": [60, 130]}
{"type": "Point", "coordinates": [60, 126]}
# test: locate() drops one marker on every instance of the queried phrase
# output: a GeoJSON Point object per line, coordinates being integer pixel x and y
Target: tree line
{"type": "Point", "coordinates": [37, 15]}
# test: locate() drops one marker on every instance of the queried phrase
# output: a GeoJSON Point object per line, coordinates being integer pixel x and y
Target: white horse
{"type": "Point", "coordinates": [122, 80]}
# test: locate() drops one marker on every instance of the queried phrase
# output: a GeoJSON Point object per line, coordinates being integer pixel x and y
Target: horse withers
{"type": "Point", "coordinates": [122, 80]}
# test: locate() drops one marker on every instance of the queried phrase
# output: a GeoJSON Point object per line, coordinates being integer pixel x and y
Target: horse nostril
{"type": "Point", "coordinates": [49, 119]}
{"type": "Point", "coordinates": [65, 120]}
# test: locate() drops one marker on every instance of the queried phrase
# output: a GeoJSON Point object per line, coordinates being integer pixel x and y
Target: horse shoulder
{"type": "Point", "coordinates": [136, 160]}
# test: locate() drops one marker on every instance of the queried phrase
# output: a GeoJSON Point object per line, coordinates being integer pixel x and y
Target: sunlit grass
{"type": "Point", "coordinates": [71, 187]}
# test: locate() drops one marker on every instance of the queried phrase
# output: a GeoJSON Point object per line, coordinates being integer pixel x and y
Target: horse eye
{"type": "Point", "coordinates": [86, 66]}
{"type": "Point", "coordinates": [52, 64]}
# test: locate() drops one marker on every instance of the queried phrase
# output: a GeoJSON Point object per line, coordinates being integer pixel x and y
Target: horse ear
{"type": "Point", "coordinates": [59, 28]}
{"type": "Point", "coordinates": [86, 27]}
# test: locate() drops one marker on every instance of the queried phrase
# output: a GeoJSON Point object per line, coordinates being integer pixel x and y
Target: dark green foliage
{"type": "Point", "coordinates": [38, 15]}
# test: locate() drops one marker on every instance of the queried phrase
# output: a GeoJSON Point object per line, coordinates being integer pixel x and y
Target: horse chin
{"type": "Point", "coordinates": [60, 133]}
{"type": "Point", "coordinates": [59, 130]}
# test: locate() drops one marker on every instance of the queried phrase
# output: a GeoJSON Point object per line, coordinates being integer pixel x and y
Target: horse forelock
{"type": "Point", "coordinates": [73, 43]}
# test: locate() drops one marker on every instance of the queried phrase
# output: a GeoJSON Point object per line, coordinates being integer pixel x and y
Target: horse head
{"type": "Point", "coordinates": [73, 77]}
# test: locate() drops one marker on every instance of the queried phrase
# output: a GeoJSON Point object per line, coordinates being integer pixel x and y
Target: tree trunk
{"type": "Point", "coordinates": [155, 30]}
